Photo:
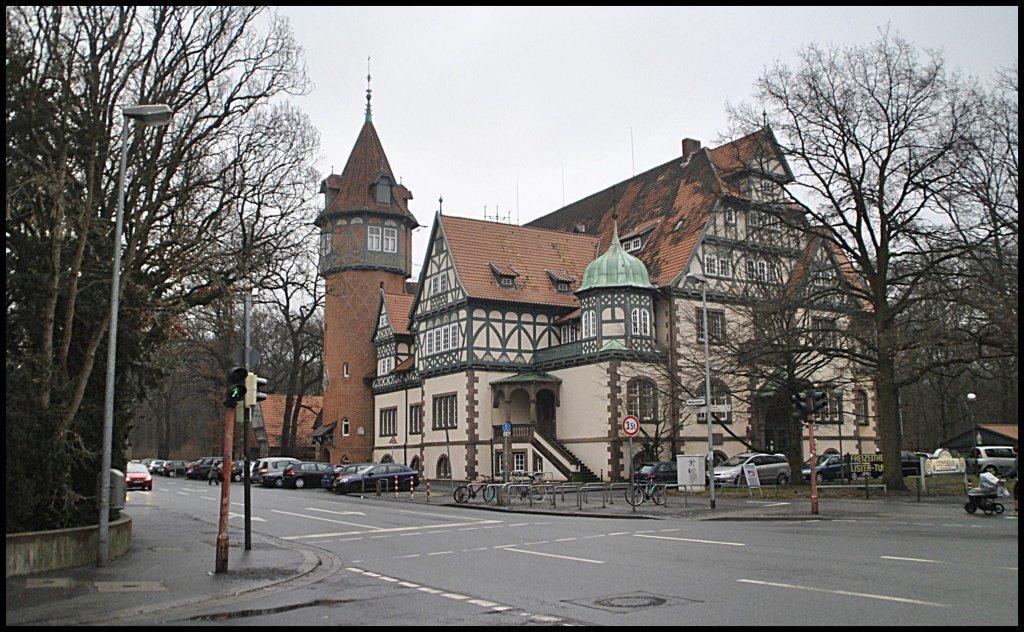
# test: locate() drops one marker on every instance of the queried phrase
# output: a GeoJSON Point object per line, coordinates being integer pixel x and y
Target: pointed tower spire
{"type": "Point", "coordinates": [369, 92]}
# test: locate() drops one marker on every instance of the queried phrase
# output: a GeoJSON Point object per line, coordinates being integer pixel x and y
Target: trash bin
{"type": "Point", "coordinates": [118, 490]}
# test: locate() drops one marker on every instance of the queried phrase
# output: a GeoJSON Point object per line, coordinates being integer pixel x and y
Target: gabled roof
{"type": "Point", "coordinates": [398, 306]}
{"type": "Point", "coordinates": [353, 190]}
{"type": "Point", "coordinates": [682, 195]}
{"type": "Point", "coordinates": [272, 411]}
{"type": "Point", "coordinates": [477, 247]}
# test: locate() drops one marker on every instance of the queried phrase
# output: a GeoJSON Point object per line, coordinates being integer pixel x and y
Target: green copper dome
{"type": "Point", "coordinates": [615, 268]}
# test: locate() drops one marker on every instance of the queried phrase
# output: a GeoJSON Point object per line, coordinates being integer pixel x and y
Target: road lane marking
{"type": "Point", "coordinates": [337, 513]}
{"type": "Point", "coordinates": [912, 559]}
{"type": "Point", "coordinates": [379, 530]}
{"type": "Point", "coordinates": [562, 557]}
{"type": "Point", "coordinates": [351, 524]}
{"type": "Point", "coordinates": [232, 514]}
{"type": "Point", "coordinates": [848, 593]}
{"type": "Point", "coordinates": [665, 537]}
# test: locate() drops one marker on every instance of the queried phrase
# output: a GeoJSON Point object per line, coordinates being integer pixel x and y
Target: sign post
{"type": "Point", "coordinates": [631, 426]}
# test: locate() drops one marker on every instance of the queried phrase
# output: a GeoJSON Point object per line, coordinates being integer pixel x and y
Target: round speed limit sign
{"type": "Point", "coordinates": [630, 425]}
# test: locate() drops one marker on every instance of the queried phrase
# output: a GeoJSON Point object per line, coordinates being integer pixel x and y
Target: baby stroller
{"type": "Point", "coordinates": [984, 496]}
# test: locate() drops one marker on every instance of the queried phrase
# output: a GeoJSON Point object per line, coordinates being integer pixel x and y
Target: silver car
{"type": "Point", "coordinates": [772, 469]}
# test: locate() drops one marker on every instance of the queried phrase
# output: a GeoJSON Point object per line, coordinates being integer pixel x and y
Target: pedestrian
{"type": "Point", "coordinates": [214, 476]}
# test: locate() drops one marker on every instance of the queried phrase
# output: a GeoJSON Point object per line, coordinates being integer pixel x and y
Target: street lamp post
{"type": "Point", "coordinates": [700, 278]}
{"type": "Point", "coordinates": [154, 115]}
{"type": "Point", "coordinates": [971, 398]}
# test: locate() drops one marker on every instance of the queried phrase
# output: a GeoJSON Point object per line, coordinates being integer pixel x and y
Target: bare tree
{"type": "Point", "coordinates": [873, 134]}
{"type": "Point", "coordinates": [210, 201]}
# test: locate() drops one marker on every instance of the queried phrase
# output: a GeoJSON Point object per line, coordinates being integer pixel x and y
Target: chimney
{"type": "Point", "coordinates": [689, 146]}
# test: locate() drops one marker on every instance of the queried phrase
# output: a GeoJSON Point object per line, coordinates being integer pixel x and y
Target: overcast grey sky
{"type": "Point", "coordinates": [515, 110]}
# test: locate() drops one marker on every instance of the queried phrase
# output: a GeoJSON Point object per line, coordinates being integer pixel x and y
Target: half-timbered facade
{"type": "Point", "coordinates": [524, 346]}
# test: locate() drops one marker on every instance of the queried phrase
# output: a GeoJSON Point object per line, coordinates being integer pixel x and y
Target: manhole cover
{"type": "Point", "coordinates": [631, 602]}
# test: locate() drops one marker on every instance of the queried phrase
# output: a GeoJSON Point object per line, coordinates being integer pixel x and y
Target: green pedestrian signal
{"type": "Point", "coordinates": [236, 386]}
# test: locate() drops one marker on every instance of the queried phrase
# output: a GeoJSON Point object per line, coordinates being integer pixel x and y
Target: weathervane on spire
{"type": "Point", "coordinates": [440, 201]}
{"type": "Point", "coordinates": [369, 92]}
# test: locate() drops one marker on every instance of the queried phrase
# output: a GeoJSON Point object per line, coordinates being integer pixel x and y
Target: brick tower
{"type": "Point", "coordinates": [365, 245]}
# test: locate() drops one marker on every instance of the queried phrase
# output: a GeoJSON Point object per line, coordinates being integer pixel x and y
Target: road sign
{"type": "Point", "coordinates": [696, 401]}
{"type": "Point", "coordinates": [393, 441]}
{"type": "Point", "coordinates": [506, 429]}
{"type": "Point", "coordinates": [630, 425]}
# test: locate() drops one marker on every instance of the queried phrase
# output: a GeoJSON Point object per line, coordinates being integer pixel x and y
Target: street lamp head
{"type": "Point", "coordinates": [697, 277]}
{"type": "Point", "coordinates": [971, 397]}
{"type": "Point", "coordinates": [153, 115]}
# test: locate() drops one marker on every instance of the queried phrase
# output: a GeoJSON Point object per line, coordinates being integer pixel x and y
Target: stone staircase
{"type": "Point", "coordinates": [567, 463]}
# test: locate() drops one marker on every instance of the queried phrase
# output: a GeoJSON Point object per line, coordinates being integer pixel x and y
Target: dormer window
{"type": "Point", "coordinates": [632, 245]}
{"type": "Point", "coordinates": [384, 190]}
{"type": "Point", "coordinates": [504, 274]}
{"type": "Point", "coordinates": [561, 281]}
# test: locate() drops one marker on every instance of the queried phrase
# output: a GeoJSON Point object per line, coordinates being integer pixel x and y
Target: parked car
{"type": "Point", "coordinates": [153, 465]}
{"type": "Point", "coordinates": [367, 476]}
{"type": "Point", "coordinates": [331, 477]}
{"type": "Point", "coordinates": [173, 468]}
{"type": "Point", "coordinates": [994, 459]}
{"type": "Point", "coordinates": [662, 472]}
{"type": "Point", "coordinates": [271, 470]}
{"type": "Point", "coordinates": [137, 476]}
{"type": "Point", "coordinates": [200, 468]}
{"type": "Point", "coordinates": [829, 467]}
{"type": "Point", "coordinates": [771, 469]}
{"type": "Point", "coordinates": [305, 474]}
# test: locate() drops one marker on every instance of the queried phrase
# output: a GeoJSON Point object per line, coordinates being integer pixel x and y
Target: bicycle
{"type": "Point", "coordinates": [526, 486]}
{"type": "Point", "coordinates": [638, 493]}
{"type": "Point", "coordinates": [464, 493]}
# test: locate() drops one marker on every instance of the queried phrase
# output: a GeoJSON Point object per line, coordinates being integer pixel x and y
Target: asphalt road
{"type": "Point", "coordinates": [408, 564]}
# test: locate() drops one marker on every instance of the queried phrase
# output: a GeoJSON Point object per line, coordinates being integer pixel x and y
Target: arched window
{"type": "Point", "coordinates": [642, 399]}
{"type": "Point", "coordinates": [720, 396]}
{"type": "Point", "coordinates": [415, 464]}
{"type": "Point", "coordinates": [589, 324]}
{"type": "Point", "coordinates": [386, 459]}
{"type": "Point", "coordinates": [444, 468]}
{"type": "Point", "coordinates": [641, 319]}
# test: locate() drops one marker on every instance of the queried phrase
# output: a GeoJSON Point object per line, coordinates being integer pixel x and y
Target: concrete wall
{"type": "Point", "coordinates": [38, 551]}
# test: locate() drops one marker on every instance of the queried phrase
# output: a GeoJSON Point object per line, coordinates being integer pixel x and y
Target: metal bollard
{"type": "Point", "coordinates": [412, 495]}
{"type": "Point", "coordinates": [428, 490]}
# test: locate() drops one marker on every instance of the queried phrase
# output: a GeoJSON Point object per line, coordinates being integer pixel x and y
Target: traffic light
{"type": "Point", "coordinates": [819, 400]}
{"type": "Point", "coordinates": [237, 378]}
{"type": "Point", "coordinates": [800, 406]}
{"type": "Point", "coordinates": [253, 383]}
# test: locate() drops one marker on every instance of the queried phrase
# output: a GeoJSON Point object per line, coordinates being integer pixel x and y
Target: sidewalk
{"type": "Point", "coordinates": [169, 571]}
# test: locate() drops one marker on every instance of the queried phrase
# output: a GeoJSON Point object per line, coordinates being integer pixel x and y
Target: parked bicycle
{"type": "Point", "coordinates": [637, 494]}
{"type": "Point", "coordinates": [526, 486]}
{"type": "Point", "coordinates": [465, 493]}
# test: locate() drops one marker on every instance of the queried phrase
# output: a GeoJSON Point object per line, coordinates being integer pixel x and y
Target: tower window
{"type": "Point", "coordinates": [390, 240]}
{"type": "Point", "coordinates": [373, 238]}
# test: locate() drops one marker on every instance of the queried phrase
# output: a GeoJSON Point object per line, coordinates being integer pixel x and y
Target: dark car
{"type": "Point", "coordinates": [271, 470]}
{"type": "Point", "coordinates": [173, 469]}
{"type": "Point", "coordinates": [137, 476]}
{"type": "Point", "coordinates": [367, 477]}
{"type": "Point", "coordinates": [828, 467]}
{"type": "Point", "coordinates": [331, 477]}
{"type": "Point", "coordinates": [200, 468]}
{"type": "Point", "coordinates": [304, 474]}
{"type": "Point", "coordinates": [662, 473]}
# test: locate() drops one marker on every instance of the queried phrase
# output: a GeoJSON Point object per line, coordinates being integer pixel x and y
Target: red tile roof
{"type": "Point", "coordinates": [675, 198]}
{"type": "Point", "coordinates": [399, 306]}
{"type": "Point", "coordinates": [272, 410]}
{"type": "Point", "coordinates": [478, 245]}
{"type": "Point", "coordinates": [365, 165]}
